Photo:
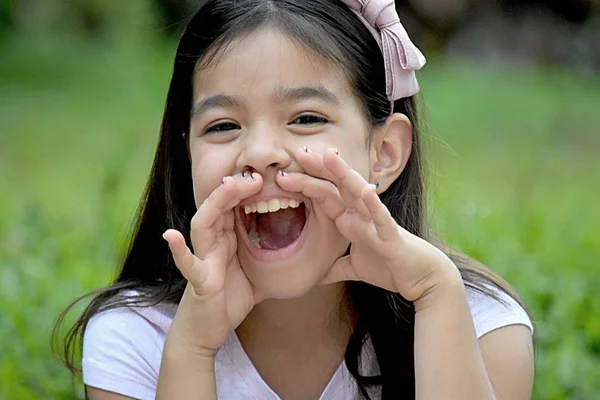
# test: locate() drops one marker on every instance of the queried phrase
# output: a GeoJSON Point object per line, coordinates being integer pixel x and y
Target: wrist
{"type": "Point", "coordinates": [446, 286]}
{"type": "Point", "coordinates": [181, 351]}
{"type": "Point", "coordinates": [185, 373]}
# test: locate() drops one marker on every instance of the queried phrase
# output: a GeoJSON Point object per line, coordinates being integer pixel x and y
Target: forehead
{"type": "Point", "coordinates": [265, 60]}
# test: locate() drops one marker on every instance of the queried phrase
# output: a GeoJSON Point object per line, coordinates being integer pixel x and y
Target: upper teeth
{"type": "Point", "coordinates": [271, 205]}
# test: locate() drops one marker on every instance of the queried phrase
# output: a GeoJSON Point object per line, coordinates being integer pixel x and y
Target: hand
{"type": "Point", "coordinates": [218, 295]}
{"type": "Point", "coordinates": [381, 253]}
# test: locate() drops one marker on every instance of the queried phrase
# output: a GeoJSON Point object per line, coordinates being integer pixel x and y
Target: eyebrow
{"type": "Point", "coordinates": [216, 101]}
{"type": "Point", "coordinates": [306, 93]}
{"type": "Point", "coordinates": [282, 95]}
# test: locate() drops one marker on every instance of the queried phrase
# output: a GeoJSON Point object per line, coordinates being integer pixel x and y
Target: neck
{"type": "Point", "coordinates": [319, 317]}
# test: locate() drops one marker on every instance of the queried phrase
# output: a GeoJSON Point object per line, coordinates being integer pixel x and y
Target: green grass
{"type": "Point", "coordinates": [514, 171]}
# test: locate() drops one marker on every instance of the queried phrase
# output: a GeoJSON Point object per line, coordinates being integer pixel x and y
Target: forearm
{"type": "Point", "coordinates": [448, 362]}
{"type": "Point", "coordinates": [186, 376]}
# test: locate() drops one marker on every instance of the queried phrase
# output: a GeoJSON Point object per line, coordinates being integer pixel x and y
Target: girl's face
{"type": "Point", "coordinates": [253, 107]}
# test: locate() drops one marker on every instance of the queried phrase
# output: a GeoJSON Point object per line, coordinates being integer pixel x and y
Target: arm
{"type": "Point", "coordinates": [451, 363]}
{"type": "Point", "coordinates": [120, 350]}
{"type": "Point", "coordinates": [509, 361]}
{"type": "Point", "coordinates": [217, 298]}
{"type": "Point", "coordinates": [188, 375]}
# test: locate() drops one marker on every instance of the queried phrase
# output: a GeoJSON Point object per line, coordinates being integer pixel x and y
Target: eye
{"type": "Point", "coordinates": [222, 127]}
{"type": "Point", "coordinates": [309, 119]}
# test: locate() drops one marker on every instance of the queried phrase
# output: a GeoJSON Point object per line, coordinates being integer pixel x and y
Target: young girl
{"type": "Point", "coordinates": [281, 251]}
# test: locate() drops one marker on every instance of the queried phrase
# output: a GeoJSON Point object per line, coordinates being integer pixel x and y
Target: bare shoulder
{"type": "Point", "coordinates": [509, 361]}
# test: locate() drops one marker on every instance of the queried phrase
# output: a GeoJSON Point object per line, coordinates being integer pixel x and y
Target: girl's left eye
{"type": "Point", "coordinates": [309, 119]}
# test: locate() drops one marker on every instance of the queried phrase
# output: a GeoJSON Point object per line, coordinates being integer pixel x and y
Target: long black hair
{"type": "Point", "coordinates": [331, 30]}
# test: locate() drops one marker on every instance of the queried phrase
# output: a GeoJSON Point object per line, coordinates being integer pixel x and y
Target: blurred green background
{"type": "Point", "coordinates": [513, 155]}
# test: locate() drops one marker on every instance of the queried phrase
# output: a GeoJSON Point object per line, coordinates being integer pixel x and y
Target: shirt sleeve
{"type": "Point", "coordinates": [490, 314]}
{"type": "Point", "coordinates": [121, 353]}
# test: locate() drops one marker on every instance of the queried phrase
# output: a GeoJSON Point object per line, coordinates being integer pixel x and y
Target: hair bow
{"type": "Point", "coordinates": [402, 58]}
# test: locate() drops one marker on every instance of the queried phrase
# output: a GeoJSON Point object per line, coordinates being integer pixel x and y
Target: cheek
{"type": "Point", "coordinates": [356, 154]}
{"type": "Point", "coordinates": [208, 171]}
{"type": "Point", "coordinates": [352, 142]}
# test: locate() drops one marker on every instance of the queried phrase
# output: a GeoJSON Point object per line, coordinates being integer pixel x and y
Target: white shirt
{"type": "Point", "coordinates": [122, 351]}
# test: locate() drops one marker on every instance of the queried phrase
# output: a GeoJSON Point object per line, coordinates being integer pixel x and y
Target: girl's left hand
{"type": "Point", "coordinates": [382, 253]}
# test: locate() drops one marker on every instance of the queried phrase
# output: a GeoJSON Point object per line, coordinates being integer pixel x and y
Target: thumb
{"type": "Point", "coordinates": [182, 255]}
{"type": "Point", "coordinates": [340, 271]}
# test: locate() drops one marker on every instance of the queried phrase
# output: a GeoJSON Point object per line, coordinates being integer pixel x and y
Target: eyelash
{"type": "Point", "coordinates": [315, 119]}
{"type": "Point", "coordinates": [230, 126]}
{"type": "Point", "coordinates": [222, 127]}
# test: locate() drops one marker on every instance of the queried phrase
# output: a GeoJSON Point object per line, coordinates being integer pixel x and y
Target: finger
{"type": "Point", "coordinates": [312, 163]}
{"type": "Point", "coordinates": [322, 192]}
{"type": "Point", "coordinates": [183, 257]}
{"type": "Point", "coordinates": [386, 226]}
{"type": "Point", "coordinates": [229, 194]}
{"type": "Point", "coordinates": [211, 216]}
{"type": "Point", "coordinates": [340, 271]}
{"type": "Point", "coordinates": [229, 223]}
{"type": "Point", "coordinates": [348, 181]}
{"type": "Point", "coordinates": [343, 175]}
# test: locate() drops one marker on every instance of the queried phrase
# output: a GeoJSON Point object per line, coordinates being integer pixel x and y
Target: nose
{"type": "Point", "coordinates": [264, 151]}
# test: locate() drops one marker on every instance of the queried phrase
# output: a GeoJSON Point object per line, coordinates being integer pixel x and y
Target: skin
{"type": "Point", "coordinates": [279, 309]}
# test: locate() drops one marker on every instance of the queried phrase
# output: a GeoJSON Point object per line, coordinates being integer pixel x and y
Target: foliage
{"type": "Point", "coordinates": [110, 20]}
{"type": "Point", "coordinates": [514, 182]}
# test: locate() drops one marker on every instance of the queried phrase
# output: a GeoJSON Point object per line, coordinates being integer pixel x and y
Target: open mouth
{"type": "Point", "coordinates": [274, 224]}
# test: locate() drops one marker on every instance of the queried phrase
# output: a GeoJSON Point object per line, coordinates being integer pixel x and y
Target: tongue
{"type": "Point", "coordinates": [280, 229]}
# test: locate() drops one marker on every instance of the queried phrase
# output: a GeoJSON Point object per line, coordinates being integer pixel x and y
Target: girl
{"type": "Point", "coordinates": [288, 186]}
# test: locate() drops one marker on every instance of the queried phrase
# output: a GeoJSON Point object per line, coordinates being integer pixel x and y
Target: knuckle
{"type": "Point", "coordinates": [329, 187]}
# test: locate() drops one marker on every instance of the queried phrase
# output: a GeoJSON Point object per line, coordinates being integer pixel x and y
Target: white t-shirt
{"type": "Point", "coordinates": [122, 350]}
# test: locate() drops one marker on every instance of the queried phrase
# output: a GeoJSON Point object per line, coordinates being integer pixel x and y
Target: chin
{"type": "Point", "coordinates": [284, 290]}
{"type": "Point", "coordinates": [285, 279]}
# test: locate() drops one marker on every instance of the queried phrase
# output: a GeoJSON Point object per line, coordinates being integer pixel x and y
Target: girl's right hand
{"type": "Point", "coordinates": [218, 295]}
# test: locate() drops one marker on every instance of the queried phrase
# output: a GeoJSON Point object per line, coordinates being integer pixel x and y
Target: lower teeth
{"type": "Point", "coordinates": [254, 239]}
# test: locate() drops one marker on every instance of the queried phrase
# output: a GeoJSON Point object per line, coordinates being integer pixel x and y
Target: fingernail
{"type": "Point", "coordinates": [243, 174]}
{"type": "Point", "coordinates": [253, 175]}
{"type": "Point", "coordinates": [306, 149]}
{"type": "Point", "coordinates": [282, 173]}
{"type": "Point", "coordinates": [336, 151]}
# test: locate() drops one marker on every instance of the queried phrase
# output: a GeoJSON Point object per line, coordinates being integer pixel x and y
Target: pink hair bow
{"type": "Point", "coordinates": [402, 58]}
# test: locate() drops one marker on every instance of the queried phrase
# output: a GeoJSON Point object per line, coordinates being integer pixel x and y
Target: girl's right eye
{"type": "Point", "coordinates": [223, 127]}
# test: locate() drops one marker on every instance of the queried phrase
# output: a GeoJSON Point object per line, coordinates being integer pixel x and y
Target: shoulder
{"type": "Point", "coordinates": [122, 349]}
{"type": "Point", "coordinates": [491, 313]}
{"type": "Point", "coordinates": [504, 330]}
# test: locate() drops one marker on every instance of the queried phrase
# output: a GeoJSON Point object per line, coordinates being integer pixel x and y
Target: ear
{"type": "Point", "coordinates": [391, 145]}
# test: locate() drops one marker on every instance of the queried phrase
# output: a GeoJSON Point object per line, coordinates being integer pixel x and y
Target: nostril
{"type": "Point", "coordinates": [247, 171]}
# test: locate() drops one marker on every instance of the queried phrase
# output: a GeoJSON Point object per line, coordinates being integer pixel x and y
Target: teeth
{"type": "Point", "coordinates": [272, 205]}
{"type": "Point", "coordinates": [262, 207]}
